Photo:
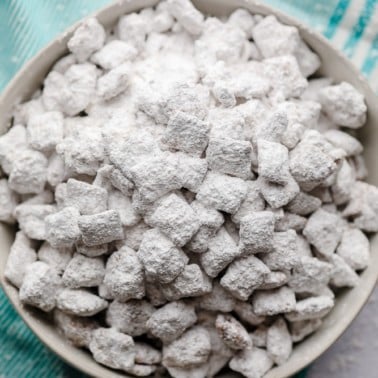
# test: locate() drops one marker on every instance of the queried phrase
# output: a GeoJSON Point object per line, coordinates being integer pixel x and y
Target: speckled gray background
{"type": "Point", "coordinates": [355, 354]}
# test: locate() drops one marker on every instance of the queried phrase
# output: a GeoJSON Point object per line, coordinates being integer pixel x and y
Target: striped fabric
{"type": "Point", "coordinates": [26, 26]}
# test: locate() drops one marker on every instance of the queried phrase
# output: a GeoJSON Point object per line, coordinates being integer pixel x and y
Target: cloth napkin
{"type": "Point", "coordinates": [26, 26]}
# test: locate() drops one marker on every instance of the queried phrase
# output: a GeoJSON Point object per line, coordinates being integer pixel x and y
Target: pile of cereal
{"type": "Point", "coordinates": [187, 199]}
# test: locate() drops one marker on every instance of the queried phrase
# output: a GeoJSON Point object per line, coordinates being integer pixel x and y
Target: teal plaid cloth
{"type": "Point", "coordinates": [26, 26]}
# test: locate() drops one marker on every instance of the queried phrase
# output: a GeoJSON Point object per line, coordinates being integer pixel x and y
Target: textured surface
{"type": "Point", "coordinates": [27, 26]}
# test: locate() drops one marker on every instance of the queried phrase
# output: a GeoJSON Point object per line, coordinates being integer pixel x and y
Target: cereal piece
{"type": "Point", "coordinates": [310, 165]}
{"type": "Point", "coordinates": [121, 203]}
{"type": "Point", "coordinates": [308, 61]}
{"type": "Point", "coordinates": [279, 345]}
{"type": "Point", "coordinates": [344, 105]}
{"type": "Point", "coordinates": [273, 128]}
{"type": "Point", "coordinates": [93, 251]}
{"type": "Point", "coordinates": [75, 329]}
{"type": "Point", "coordinates": [112, 348]}
{"type": "Point", "coordinates": [243, 19]}
{"type": "Point", "coordinates": [54, 257]}
{"type": "Point", "coordinates": [243, 276]}
{"type": "Point", "coordinates": [162, 21]}
{"type": "Point", "coordinates": [175, 218]}
{"type": "Point", "coordinates": [100, 228]}
{"type": "Point", "coordinates": [284, 255]}
{"type": "Point", "coordinates": [363, 206]}
{"type": "Point", "coordinates": [310, 275]}
{"type": "Point", "coordinates": [39, 286]}
{"type": "Point", "coordinates": [275, 39]}
{"type": "Point", "coordinates": [273, 160]}
{"type": "Point", "coordinates": [285, 75]}
{"type": "Point", "coordinates": [191, 282]}
{"type": "Point", "coordinates": [21, 256]}
{"type": "Point", "coordinates": [134, 235]}
{"type": "Point", "coordinates": [259, 336]}
{"type": "Point", "coordinates": [188, 16]}
{"type": "Point", "coordinates": [192, 348]}
{"type": "Point", "coordinates": [113, 54]}
{"type": "Point", "coordinates": [82, 150]}
{"type": "Point", "coordinates": [226, 123]}
{"type": "Point", "coordinates": [170, 321]}
{"type": "Point", "coordinates": [345, 179]}
{"type": "Point", "coordinates": [132, 29]}
{"type": "Point", "coordinates": [304, 204]}
{"type": "Point", "coordinates": [347, 142]}
{"type": "Point", "coordinates": [291, 221]}
{"type": "Point", "coordinates": [31, 219]}
{"type": "Point", "coordinates": [23, 112]}
{"type": "Point", "coordinates": [274, 280]}
{"type": "Point", "coordinates": [302, 328]}
{"type": "Point", "coordinates": [191, 171]}
{"type": "Point", "coordinates": [273, 302]}
{"type": "Point", "coordinates": [64, 63]}
{"type": "Point", "coordinates": [62, 227]}
{"type": "Point", "coordinates": [79, 302]}
{"type": "Point", "coordinates": [124, 277]}
{"type": "Point", "coordinates": [146, 354]}
{"type": "Point", "coordinates": [211, 220]}
{"type": "Point", "coordinates": [245, 312]}
{"type": "Point", "coordinates": [28, 174]}
{"type": "Point", "coordinates": [162, 261]}
{"type": "Point", "coordinates": [278, 195]}
{"type": "Point", "coordinates": [222, 192]}
{"type": "Point", "coordinates": [155, 177]}
{"type": "Point", "coordinates": [224, 95]}
{"type": "Point", "coordinates": [187, 98]}
{"type": "Point", "coordinates": [324, 230]}
{"type": "Point", "coordinates": [121, 182]}
{"type": "Point", "coordinates": [70, 93]}
{"type": "Point", "coordinates": [56, 170]}
{"type": "Point", "coordinates": [253, 202]}
{"type": "Point", "coordinates": [45, 131]}
{"type": "Point", "coordinates": [252, 363]}
{"type": "Point", "coordinates": [218, 300]}
{"type": "Point", "coordinates": [154, 294]}
{"type": "Point", "coordinates": [114, 82]}
{"type": "Point", "coordinates": [219, 41]}
{"type": "Point", "coordinates": [303, 246]}
{"type": "Point", "coordinates": [128, 150]}
{"type": "Point", "coordinates": [354, 248]}
{"type": "Point", "coordinates": [230, 156]}
{"type": "Point", "coordinates": [11, 143]}
{"type": "Point", "coordinates": [232, 332]}
{"type": "Point", "coordinates": [88, 199]}
{"type": "Point", "coordinates": [84, 271]}
{"type": "Point", "coordinates": [87, 38]}
{"type": "Point", "coordinates": [222, 250]}
{"type": "Point", "coordinates": [129, 317]}
{"type": "Point", "coordinates": [256, 232]}
{"type": "Point", "coordinates": [186, 133]}
{"type": "Point", "coordinates": [342, 274]}
{"type": "Point", "coordinates": [220, 353]}
{"type": "Point", "coordinates": [311, 308]}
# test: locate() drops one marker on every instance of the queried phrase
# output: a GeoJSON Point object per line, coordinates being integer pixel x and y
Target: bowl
{"type": "Point", "coordinates": [334, 64]}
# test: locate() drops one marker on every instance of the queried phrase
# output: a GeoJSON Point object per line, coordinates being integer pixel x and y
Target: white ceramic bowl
{"type": "Point", "coordinates": [334, 64]}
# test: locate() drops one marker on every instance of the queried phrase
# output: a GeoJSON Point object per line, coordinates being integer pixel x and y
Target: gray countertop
{"type": "Point", "coordinates": [355, 354]}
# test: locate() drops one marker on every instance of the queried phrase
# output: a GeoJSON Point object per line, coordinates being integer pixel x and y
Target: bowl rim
{"type": "Point", "coordinates": [369, 276]}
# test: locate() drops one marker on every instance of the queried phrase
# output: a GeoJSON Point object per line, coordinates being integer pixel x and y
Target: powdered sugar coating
{"type": "Point", "coordinates": [180, 169]}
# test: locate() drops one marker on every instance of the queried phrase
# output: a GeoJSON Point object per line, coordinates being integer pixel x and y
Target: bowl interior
{"type": "Point", "coordinates": [334, 64]}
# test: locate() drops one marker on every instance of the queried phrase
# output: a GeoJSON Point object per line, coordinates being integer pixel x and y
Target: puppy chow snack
{"type": "Point", "coordinates": [188, 192]}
